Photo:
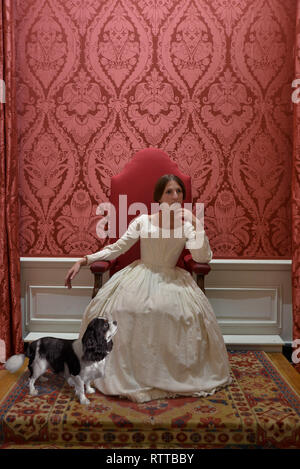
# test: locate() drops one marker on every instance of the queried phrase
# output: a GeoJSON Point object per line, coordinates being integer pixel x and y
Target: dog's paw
{"type": "Point", "coordinates": [90, 390]}
{"type": "Point", "coordinates": [70, 382]}
{"type": "Point", "coordinates": [84, 400]}
{"type": "Point", "coordinates": [33, 392]}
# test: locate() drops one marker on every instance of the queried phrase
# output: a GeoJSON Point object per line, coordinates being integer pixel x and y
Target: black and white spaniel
{"type": "Point", "coordinates": [81, 361]}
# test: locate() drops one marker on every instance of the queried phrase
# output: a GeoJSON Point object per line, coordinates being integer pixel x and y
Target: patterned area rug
{"type": "Point", "coordinates": [258, 410]}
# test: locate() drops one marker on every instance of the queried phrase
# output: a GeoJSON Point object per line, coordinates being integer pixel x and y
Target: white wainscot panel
{"type": "Point", "coordinates": [251, 300]}
{"type": "Point", "coordinates": [246, 308]}
{"type": "Point", "coordinates": [54, 308]}
{"type": "Point", "coordinates": [49, 307]}
{"type": "Point", "coordinates": [45, 302]}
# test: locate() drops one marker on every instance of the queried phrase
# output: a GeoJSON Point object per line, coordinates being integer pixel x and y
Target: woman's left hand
{"type": "Point", "coordinates": [187, 215]}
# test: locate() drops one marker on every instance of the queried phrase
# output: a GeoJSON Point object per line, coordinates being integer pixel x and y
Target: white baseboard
{"type": "Point", "coordinates": [252, 300]}
{"type": "Point", "coordinates": [267, 343]}
{"type": "Point", "coordinates": [31, 336]}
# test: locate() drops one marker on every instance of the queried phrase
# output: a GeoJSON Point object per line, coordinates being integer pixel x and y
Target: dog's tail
{"type": "Point", "coordinates": [14, 363]}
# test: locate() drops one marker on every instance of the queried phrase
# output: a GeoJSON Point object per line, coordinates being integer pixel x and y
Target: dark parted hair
{"type": "Point", "coordinates": [161, 184]}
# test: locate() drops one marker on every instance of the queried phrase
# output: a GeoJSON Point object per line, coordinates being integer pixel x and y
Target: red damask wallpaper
{"type": "Point", "coordinates": [208, 81]}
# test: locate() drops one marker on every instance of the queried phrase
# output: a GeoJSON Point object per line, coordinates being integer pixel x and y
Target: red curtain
{"type": "Point", "coordinates": [10, 298]}
{"type": "Point", "coordinates": [296, 196]}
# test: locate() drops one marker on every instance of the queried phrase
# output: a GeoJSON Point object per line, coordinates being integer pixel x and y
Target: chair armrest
{"type": "Point", "coordinates": [200, 269]}
{"type": "Point", "coordinates": [100, 267]}
{"type": "Point", "coordinates": [196, 267]}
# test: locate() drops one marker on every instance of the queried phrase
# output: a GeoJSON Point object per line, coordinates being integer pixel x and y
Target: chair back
{"type": "Point", "coordinates": [137, 181]}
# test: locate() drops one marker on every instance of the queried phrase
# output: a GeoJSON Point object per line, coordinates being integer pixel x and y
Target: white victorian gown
{"type": "Point", "coordinates": [168, 341]}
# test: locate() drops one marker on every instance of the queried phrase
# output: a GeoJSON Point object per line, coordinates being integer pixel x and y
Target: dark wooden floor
{"type": "Point", "coordinates": [286, 369]}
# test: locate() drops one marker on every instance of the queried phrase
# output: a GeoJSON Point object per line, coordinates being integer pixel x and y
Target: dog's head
{"type": "Point", "coordinates": [96, 341]}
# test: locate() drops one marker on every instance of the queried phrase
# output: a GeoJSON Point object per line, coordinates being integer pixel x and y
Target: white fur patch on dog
{"type": "Point", "coordinates": [14, 363]}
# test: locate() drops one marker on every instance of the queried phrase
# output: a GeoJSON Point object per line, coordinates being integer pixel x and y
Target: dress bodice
{"type": "Point", "coordinates": [159, 246]}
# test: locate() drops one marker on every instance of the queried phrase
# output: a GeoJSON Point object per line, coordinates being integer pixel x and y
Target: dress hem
{"type": "Point", "coordinates": [156, 394]}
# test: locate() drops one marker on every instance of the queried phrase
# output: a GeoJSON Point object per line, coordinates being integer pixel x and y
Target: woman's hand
{"type": "Point", "coordinates": [186, 215]}
{"type": "Point", "coordinates": [74, 271]}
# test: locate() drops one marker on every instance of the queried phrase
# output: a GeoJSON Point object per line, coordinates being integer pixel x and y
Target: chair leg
{"type": "Point", "coordinates": [200, 282]}
{"type": "Point", "coordinates": [98, 282]}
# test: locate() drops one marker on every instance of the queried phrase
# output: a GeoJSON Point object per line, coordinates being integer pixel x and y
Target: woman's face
{"type": "Point", "coordinates": [172, 193]}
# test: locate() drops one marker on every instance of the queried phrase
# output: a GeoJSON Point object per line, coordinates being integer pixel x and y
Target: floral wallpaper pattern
{"type": "Point", "coordinates": [207, 81]}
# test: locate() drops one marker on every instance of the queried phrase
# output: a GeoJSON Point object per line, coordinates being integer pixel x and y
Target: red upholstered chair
{"type": "Point", "coordinates": [137, 181]}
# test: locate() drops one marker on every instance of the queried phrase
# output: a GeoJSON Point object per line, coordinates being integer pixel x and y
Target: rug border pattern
{"type": "Point", "coordinates": [18, 389]}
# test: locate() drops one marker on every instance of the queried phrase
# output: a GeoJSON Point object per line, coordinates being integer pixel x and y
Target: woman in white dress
{"type": "Point", "coordinates": [168, 341]}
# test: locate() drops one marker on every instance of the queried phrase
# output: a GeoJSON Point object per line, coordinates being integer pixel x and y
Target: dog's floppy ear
{"type": "Point", "coordinates": [93, 342]}
{"type": "Point", "coordinates": [110, 345]}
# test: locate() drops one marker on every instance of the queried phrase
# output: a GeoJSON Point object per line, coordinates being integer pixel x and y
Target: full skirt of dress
{"type": "Point", "coordinates": [168, 341]}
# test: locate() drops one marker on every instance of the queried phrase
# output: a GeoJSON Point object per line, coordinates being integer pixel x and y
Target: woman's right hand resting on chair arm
{"type": "Point", "coordinates": [74, 271]}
